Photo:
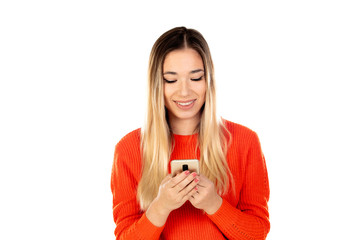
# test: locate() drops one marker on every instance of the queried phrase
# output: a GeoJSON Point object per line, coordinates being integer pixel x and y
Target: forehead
{"type": "Point", "coordinates": [183, 60]}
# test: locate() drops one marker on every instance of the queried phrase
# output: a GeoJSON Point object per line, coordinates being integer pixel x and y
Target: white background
{"type": "Point", "coordinates": [73, 79]}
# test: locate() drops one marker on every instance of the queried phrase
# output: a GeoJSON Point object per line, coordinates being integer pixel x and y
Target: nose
{"type": "Point", "coordinates": [184, 88]}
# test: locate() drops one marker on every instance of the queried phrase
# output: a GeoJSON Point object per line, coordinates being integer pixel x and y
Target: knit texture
{"type": "Point", "coordinates": [242, 215]}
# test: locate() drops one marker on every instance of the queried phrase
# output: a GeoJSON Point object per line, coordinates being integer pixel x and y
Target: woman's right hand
{"type": "Point", "coordinates": [173, 193]}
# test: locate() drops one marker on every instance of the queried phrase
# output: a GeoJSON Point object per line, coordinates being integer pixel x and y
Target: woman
{"type": "Point", "coordinates": [228, 199]}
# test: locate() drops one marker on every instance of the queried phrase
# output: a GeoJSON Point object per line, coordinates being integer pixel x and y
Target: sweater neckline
{"type": "Point", "coordinates": [183, 138]}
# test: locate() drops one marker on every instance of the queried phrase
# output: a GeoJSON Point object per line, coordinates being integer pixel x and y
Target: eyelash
{"type": "Point", "coordinates": [193, 79]}
{"type": "Point", "coordinates": [197, 79]}
{"type": "Point", "coordinates": [169, 81]}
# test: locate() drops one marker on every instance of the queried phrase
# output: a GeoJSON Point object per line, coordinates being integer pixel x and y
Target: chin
{"type": "Point", "coordinates": [186, 116]}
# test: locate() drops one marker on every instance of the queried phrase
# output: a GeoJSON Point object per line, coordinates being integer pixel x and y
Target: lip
{"type": "Point", "coordinates": [185, 107]}
{"type": "Point", "coordinates": [185, 101]}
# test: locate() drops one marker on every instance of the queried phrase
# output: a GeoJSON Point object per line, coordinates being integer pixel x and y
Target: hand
{"type": "Point", "coordinates": [206, 196]}
{"type": "Point", "coordinates": [173, 193]}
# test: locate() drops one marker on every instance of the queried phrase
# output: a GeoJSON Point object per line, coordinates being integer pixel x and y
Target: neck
{"type": "Point", "coordinates": [184, 126]}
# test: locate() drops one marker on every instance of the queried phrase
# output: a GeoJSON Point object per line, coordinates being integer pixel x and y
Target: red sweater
{"type": "Point", "coordinates": [242, 215]}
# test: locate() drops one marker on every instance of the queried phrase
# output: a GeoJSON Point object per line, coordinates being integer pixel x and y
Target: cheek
{"type": "Point", "coordinates": [167, 94]}
{"type": "Point", "coordinates": [202, 90]}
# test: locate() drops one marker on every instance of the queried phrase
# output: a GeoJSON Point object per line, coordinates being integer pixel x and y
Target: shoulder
{"type": "Point", "coordinates": [241, 136]}
{"type": "Point", "coordinates": [131, 136]}
{"type": "Point", "coordinates": [129, 142]}
{"type": "Point", "coordinates": [238, 130]}
{"type": "Point", "coordinates": [243, 140]}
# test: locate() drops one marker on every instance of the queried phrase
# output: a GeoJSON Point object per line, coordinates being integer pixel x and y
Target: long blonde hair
{"type": "Point", "coordinates": [156, 140]}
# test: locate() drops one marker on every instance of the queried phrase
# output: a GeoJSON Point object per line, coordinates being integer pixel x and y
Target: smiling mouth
{"type": "Point", "coordinates": [182, 103]}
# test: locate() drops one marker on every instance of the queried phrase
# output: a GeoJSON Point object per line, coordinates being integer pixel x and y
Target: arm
{"type": "Point", "coordinates": [131, 222]}
{"type": "Point", "coordinates": [250, 218]}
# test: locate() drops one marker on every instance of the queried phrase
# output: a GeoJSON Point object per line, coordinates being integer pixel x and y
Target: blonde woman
{"type": "Point", "coordinates": [228, 198]}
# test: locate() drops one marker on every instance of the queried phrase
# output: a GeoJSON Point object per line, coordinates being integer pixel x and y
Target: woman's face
{"type": "Point", "coordinates": [184, 84]}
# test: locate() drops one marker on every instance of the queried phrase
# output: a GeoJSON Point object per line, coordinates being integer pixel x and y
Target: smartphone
{"type": "Point", "coordinates": [184, 164]}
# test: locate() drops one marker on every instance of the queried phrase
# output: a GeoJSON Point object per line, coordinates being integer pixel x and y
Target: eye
{"type": "Point", "coordinates": [168, 81]}
{"type": "Point", "coordinates": [197, 79]}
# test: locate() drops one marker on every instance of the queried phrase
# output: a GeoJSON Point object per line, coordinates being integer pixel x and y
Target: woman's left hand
{"type": "Point", "coordinates": [206, 197]}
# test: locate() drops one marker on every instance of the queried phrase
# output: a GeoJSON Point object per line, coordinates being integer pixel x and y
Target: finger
{"type": "Point", "coordinates": [190, 187]}
{"type": "Point", "coordinates": [204, 182]}
{"type": "Point", "coordinates": [186, 181]}
{"type": "Point", "coordinates": [177, 173]}
{"type": "Point", "coordinates": [192, 194]}
{"type": "Point", "coordinates": [179, 178]}
{"type": "Point", "coordinates": [202, 186]}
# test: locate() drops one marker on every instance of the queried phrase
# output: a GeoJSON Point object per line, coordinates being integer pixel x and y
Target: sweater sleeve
{"type": "Point", "coordinates": [249, 220]}
{"type": "Point", "coordinates": [131, 222]}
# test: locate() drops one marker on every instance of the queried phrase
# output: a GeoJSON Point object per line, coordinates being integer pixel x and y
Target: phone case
{"type": "Point", "coordinates": [184, 164]}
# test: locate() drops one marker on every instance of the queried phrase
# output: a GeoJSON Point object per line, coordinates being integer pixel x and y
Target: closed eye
{"type": "Point", "coordinates": [197, 79]}
{"type": "Point", "coordinates": [168, 81]}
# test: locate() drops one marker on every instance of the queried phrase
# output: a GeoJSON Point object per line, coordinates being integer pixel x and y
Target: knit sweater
{"type": "Point", "coordinates": [242, 215]}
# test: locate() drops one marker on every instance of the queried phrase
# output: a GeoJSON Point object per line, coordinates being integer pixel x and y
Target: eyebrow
{"type": "Point", "coordinates": [169, 72]}
{"type": "Point", "coordinates": [174, 73]}
{"type": "Point", "coordinates": [197, 70]}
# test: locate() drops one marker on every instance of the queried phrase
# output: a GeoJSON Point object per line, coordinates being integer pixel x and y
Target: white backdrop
{"type": "Point", "coordinates": [73, 78]}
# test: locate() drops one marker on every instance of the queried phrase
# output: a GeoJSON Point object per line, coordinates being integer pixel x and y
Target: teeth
{"type": "Point", "coordinates": [185, 104]}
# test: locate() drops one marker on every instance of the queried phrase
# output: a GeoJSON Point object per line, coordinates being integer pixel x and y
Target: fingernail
{"type": "Point", "coordinates": [196, 188]}
{"type": "Point", "coordinates": [187, 172]}
{"type": "Point", "coordinates": [194, 174]}
{"type": "Point", "coordinates": [196, 180]}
